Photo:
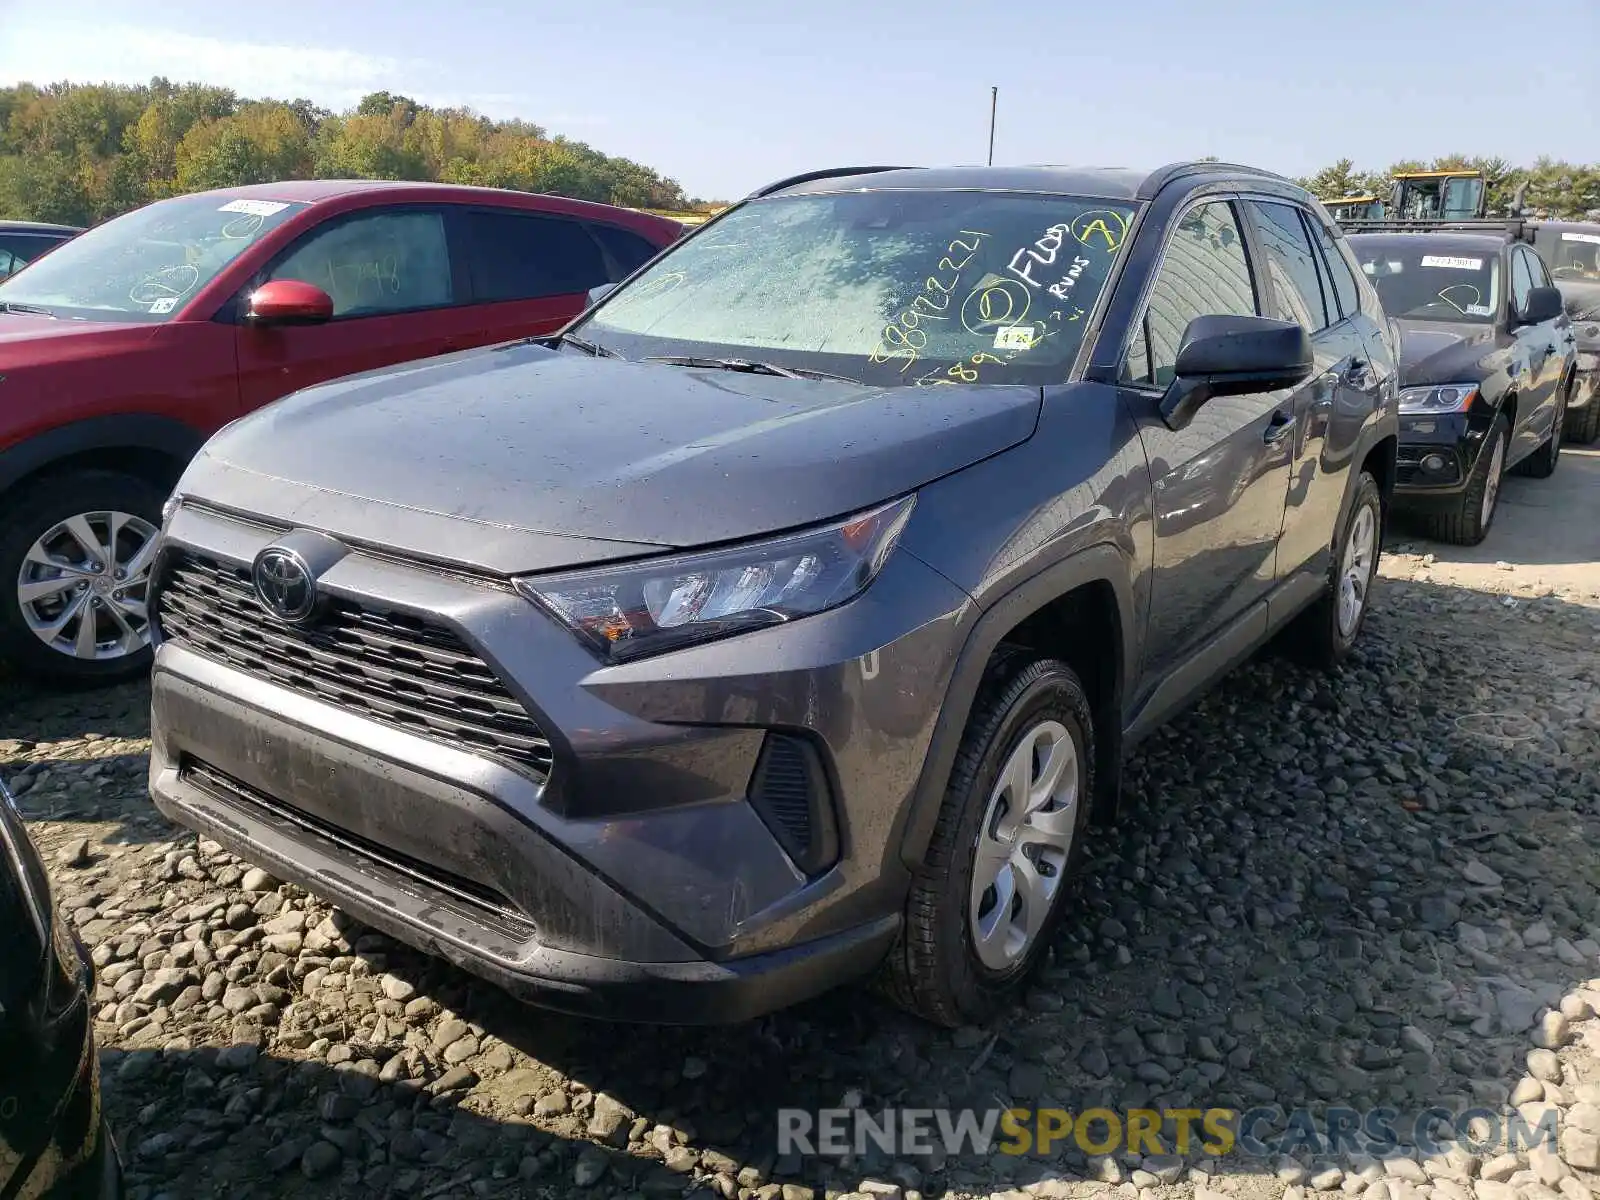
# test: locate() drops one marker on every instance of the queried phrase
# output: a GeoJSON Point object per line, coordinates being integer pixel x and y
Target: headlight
{"type": "Point", "coordinates": [647, 607]}
{"type": "Point", "coordinates": [1443, 398]}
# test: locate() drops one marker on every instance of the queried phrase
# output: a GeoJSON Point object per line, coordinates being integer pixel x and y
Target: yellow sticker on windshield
{"type": "Point", "coordinates": [1014, 337]}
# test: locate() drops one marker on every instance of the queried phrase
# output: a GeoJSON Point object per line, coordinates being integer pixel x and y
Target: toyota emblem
{"type": "Point", "coordinates": [284, 584]}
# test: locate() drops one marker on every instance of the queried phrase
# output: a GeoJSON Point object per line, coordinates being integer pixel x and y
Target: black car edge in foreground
{"type": "Point", "coordinates": [53, 1140]}
{"type": "Point", "coordinates": [785, 620]}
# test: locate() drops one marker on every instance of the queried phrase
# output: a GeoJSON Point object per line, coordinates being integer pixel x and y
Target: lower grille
{"type": "Point", "coordinates": [790, 792]}
{"type": "Point", "coordinates": [411, 673]}
{"type": "Point", "coordinates": [486, 904]}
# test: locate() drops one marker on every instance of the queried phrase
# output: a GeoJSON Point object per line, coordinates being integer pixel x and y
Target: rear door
{"type": "Point", "coordinates": [1333, 404]}
{"type": "Point", "coordinates": [530, 272]}
{"type": "Point", "coordinates": [397, 296]}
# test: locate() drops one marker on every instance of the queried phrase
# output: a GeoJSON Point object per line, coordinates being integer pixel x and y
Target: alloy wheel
{"type": "Point", "coordinates": [1355, 572]}
{"type": "Point", "coordinates": [83, 585]}
{"type": "Point", "coordinates": [1491, 486]}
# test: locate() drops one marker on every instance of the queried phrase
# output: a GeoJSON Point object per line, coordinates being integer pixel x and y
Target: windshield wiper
{"type": "Point", "coordinates": [588, 347]}
{"type": "Point", "coordinates": [748, 365]}
{"type": "Point", "coordinates": [29, 310]}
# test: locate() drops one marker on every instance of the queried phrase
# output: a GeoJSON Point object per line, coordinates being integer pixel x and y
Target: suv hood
{"type": "Point", "coordinates": [1441, 352]}
{"type": "Point", "coordinates": [27, 340]}
{"type": "Point", "coordinates": [560, 458]}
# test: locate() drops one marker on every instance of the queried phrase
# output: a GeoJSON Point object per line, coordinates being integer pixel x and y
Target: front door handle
{"type": "Point", "coordinates": [1359, 374]}
{"type": "Point", "coordinates": [1279, 427]}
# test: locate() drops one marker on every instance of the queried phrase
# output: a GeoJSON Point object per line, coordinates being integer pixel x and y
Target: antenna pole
{"type": "Point", "coordinates": [994, 103]}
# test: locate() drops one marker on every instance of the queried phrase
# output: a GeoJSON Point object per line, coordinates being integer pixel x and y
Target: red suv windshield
{"type": "Point", "coordinates": [144, 266]}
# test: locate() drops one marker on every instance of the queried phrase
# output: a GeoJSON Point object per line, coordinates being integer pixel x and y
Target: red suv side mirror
{"type": "Point", "coordinates": [289, 302]}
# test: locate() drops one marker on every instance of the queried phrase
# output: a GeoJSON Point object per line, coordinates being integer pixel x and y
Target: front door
{"type": "Point", "coordinates": [1535, 352]}
{"type": "Point", "coordinates": [1333, 404]}
{"type": "Point", "coordinates": [396, 297]}
{"type": "Point", "coordinates": [1219, 482]}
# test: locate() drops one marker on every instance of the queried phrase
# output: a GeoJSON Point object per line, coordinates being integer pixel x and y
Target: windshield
{"type": "Point", "coordinates": [145, 265]}
{"type": "Point", "coordinates": [1422, 283]}
{"type": "Point", "coordinates": [1571, 254]}
{"type": "Point", "coordinates": [890, 288]}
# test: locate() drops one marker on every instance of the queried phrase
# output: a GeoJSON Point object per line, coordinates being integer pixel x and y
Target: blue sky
{"type": "Point", "coordinates": [725, 96]}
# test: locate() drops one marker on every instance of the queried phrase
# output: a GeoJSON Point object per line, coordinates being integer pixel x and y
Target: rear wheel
{"type": "Point", "coordinates": [1324, 634]}
{"type": "Point", "coordinates": [75, 556]}
{"type": "Point", "coordinates": [989, 894]}
{"type": "Point", "coordinates": [1468, 522]}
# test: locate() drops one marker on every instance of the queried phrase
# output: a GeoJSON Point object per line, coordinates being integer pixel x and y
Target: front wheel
{"type": "Point", "coordinates": [1583, 424]}
{"type": "Point", "coordinates": [75, 555]}
{"type": "Point", "coordinates": [1468, 522]}
{"type": "Point", "coordinates": [990, 891]}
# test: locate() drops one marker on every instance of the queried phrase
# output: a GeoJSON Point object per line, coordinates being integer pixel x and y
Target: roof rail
{"type": "Point", "coordinates": [1515, 228]}
{"type": "Point", "coordinates": [1161, 176]}
{"type": "Point", "coordinates": [825, 173]}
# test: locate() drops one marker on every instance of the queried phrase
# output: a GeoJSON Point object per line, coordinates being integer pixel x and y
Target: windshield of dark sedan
{"type": "Point", "coordinates": [1419, 281]}
{"type": "Point", "coordinates": [890, 287]}
{"type": "Point", "coordinates": [1571, 254]}
{"type": "Point", "coordinates": [144, 266]}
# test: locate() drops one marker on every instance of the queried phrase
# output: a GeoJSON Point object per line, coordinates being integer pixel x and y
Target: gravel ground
{"type": "Point", "coordinates": [1376, 887]}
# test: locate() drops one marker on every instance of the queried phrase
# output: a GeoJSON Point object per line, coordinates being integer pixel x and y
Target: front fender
{"type": "Point", "coordinates": [1100, 564]}
{"type": "Point", "coordinates": [124, 431]}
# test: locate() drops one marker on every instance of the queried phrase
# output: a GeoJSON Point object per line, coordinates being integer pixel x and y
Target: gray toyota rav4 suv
{"type": "Point", "coordinates": [785, 619]}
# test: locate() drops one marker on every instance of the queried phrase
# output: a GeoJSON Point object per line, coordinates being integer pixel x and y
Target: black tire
{"type": "Point", "coordinates": [1317, 637]}
{"type": "Point", "coordinates": [1466, 524]}
{"type": "Point", "coordinates": [933, 969]}
{"type": "Point", "coordinates": [38, 508]}
{"type": "Point", "coordinates": [1541, 464]}
{"type": "Point", "coordinates": [1583, 424]}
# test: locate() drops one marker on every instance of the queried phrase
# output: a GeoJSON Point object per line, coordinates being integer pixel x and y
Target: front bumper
{"type": "Point", "coordinates": [1586, 382]}
{"type": "Point", "coordinates": [1436, 456]}
{"type": "Point", "coordinates": [637, 879]}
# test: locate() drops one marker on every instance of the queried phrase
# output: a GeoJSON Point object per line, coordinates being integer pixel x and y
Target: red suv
{"type": "Point", "coordinates": [122, 351]}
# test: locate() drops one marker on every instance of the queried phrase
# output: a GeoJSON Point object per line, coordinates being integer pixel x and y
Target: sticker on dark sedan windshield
{"type": "Point", "coordinates": [255, 208]}
{"type": "Point", "coordinates": [1591, 238]}
{"type": "Point", "coordinates": [1459, 264]}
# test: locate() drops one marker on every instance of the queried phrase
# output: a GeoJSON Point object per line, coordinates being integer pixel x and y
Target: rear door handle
{"type": "Point", "coordinates": [1278, 428]}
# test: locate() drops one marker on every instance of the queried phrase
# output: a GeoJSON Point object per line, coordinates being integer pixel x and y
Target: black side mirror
{"type": "Point", "coordinates": [1544, 304]}
{"type": "Point", "coordinates": [1229, 356]}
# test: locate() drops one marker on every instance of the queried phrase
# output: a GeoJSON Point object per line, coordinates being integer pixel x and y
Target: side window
{"type": "Point", "coordinates": [1339, 273]}
{"type": "Point", "coordinates": [628, 250]}
{"type": "Point", "coordinates": [382, 262]}
{"type": "Point", "coordinates": [1203, 272]}
{"type": "Point", "coordinates": [521, 256]}
{"type": "Point", "coordinates": [21, 249]}
{"type": "Point", "coordinates": [1290, 265]}
{"type": "Point", "coordinates": [1541, 277]}
{"type": "Point", "coordinates": [1521, 279]}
